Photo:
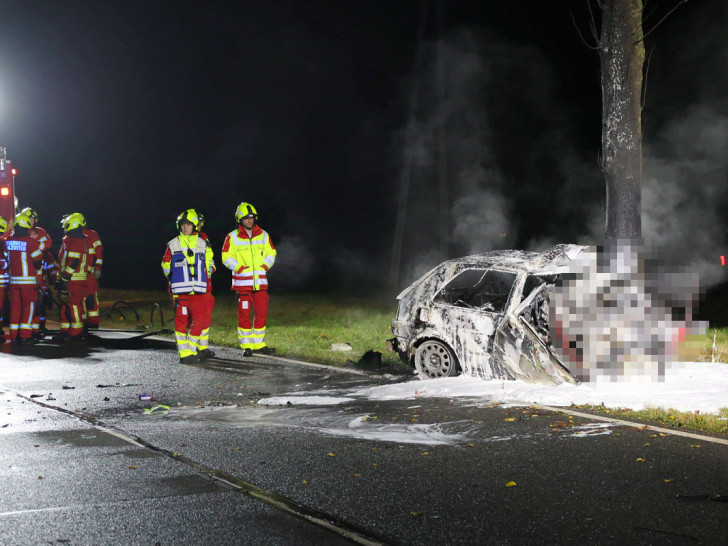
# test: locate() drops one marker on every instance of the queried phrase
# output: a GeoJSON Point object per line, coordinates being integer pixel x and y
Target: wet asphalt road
{"type": "Point", "coordinates": [85, 465]}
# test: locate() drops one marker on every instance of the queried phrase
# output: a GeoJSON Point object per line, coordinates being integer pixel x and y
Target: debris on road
{"type": "Point", "coordinates": [158, 407]}
{"type": "Point", "coordinates": [370, 359]}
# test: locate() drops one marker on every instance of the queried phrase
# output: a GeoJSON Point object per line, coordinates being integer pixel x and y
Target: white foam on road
{"type": "Point", "coordinates": [424, 434]}
{"type": "Point", "coordinates": [304, 400]}
{"type": "Point", "coordinates": [693, 386]}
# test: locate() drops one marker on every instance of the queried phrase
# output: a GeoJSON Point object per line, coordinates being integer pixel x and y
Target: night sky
{"type": "Point", "coordinates": [132, 111]}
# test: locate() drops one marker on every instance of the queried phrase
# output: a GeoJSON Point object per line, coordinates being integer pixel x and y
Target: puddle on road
{"type": "Point", "coordinates": [80, 438]}
{"type": "Point", "coordinates": [323, 420]}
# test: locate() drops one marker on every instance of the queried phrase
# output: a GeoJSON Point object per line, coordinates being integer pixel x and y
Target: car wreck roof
{"type": "Point", "coordinates": [554, 257]}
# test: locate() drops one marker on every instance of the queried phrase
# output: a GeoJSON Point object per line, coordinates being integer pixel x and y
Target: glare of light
{"type": "Point", "coordinates": [722, 260]}
{"type": "Point", "coordinates": [4, 191]}
{"type": "Point", "coordinates": [14, 172]}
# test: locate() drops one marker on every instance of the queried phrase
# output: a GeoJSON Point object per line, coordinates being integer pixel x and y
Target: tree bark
{"type": "Point", "coordinates": [622, 54]}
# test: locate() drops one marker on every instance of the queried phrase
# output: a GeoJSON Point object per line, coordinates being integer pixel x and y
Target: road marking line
{"type": "Point", "coordinates": [634, 424]}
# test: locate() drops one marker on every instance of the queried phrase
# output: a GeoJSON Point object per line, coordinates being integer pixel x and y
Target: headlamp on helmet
{"type": "Point", "coordinates": [245, 210]}
{"type": "Point", "coordinates": [191, 216]}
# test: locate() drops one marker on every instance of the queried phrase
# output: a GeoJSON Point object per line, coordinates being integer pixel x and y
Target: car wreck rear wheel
{"type": "Point", "coordinates": [434, 359]}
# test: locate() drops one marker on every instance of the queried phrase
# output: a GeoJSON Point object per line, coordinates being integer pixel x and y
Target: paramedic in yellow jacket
{"type": "Point", "coordinates": [249, 253]}
{"type": "Point", "coordinates": [188, 264]}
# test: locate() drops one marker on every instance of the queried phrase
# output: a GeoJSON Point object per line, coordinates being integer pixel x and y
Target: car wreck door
{"type": "Point", "coordinates": [470, 308]}
{"type": "Point", "coordinates": [522, 342]}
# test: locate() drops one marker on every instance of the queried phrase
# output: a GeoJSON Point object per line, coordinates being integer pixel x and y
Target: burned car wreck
{"type": "Point", "coordinates": [572, 313]}
{"type": "Point", "coordinates": [485, 315]}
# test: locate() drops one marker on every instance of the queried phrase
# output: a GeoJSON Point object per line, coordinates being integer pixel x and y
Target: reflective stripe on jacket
{"type": "Point", "coordinates": [249, 258]}
{"type": "Point", "coordinates": [4, 276]}
{"type": "Point", "coordinates": [97, 250]}
{"type": "Point", "coordinates": [72, 257]}
{"type": "Point", "coordinates": [188, 263]}
{"type": "Point", "coordinates": [24, 256]}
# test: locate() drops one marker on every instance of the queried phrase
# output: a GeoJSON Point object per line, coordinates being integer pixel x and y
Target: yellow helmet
{"type": "Point", "coordinates": [21, 220]}
{"type": "Point", "coordinates": [245, 209]}
{"type": "Point", "coordinates": [30, 213]}
{"type": "Point", "coordinates": [3, 224]}
{"type": "Point", "coordinates": [73, 221]}
{"type": "Point", "coordinates": [191, 216]}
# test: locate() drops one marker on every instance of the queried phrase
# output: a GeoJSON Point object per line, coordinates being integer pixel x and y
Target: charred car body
{"type": "Point", "coordinates": [506, 315]}
{"type": "Point", "coordinates": [485, 315]}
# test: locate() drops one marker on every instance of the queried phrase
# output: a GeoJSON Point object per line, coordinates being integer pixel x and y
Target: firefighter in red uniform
{"type": "Point", "coordinates": [49, 270]}
{"type": "Point", "coordinates": [24, 261]}
{"type": "Point", "coordinates": [72, 285]}
{"type": "Point", "coordinates": [188, 264]}
{"type": "Point", "coordinates": [3, 277]}
{"type": "Point", "coordinates": [93, 269]}
{"type": "Point", "coordinates": [249, 253]}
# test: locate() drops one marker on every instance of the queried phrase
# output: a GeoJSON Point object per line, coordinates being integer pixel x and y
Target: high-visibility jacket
{"type": "Point", "coordinates": [188, 263]}
{"type": "Point", "coordinates": [249, 257]}
{"type": "Point", "coordinates": [24, 260]}
{"type": "Point", "coordinates": [4, 276]}
{"type": "Point", "coordinates": [97, 250]}
{"type": "Point", "coordinates": [41, 235]}
{"type": "Point", "coordinates": [74, 255]}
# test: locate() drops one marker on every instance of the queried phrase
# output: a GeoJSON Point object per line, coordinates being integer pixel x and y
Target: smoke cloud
{"type": "Point", "coordinates": [685, 179]}
{"type": "Point", "coordinates": [518, 176]}
{"type": "Point", "coordinates": [294, 265]}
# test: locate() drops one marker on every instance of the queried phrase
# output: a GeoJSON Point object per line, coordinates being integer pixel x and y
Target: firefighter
{"type": "Point", "coordinates": [24, 267]}
{"type": "Point", "coordinates": [93, 270]}
{"type": "Point", "coordinates": [72, 285]}
{"type": "Point", "coordinates": [188, 265]}
{"type": "Point", "coordinates": [37, 232]}
{"type": "Point", "coordinates": [3, 277]}
{"type": "Point", "coordinates": [249, 253]}
{"type": "Point", "coordinates": [49, 270]}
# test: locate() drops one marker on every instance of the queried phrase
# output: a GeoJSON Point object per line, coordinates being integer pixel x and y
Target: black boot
{"type": "Point", "coordinates": [204, 354]}
{"type": "Point", "coordinates": [189, 359]}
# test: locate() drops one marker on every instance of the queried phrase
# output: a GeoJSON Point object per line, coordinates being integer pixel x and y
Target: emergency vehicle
{"type": "Point", "coordinates": [8, 201]}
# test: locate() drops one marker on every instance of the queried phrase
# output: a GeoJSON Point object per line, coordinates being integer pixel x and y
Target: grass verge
{"type": "Point", "coordinates": [667, 418]}
{"type": "Point", "coordinates": [298, 326]}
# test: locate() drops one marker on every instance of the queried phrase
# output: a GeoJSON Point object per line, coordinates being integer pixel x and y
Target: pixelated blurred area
{"type": "Point", "coordinates": [620, 314]}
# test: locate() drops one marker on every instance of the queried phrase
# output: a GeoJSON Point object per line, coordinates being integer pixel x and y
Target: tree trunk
{"type": "Point", "coordinates": [622, 54]}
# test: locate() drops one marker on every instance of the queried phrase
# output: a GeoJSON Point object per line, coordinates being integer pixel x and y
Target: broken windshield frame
{"type": "Point", "coordinates": [484, 290]}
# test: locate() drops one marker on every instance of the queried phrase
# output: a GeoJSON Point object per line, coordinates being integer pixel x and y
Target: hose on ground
{"type": "Point", "coordinates": [120, 308]}
{"type": "Point", "coordinates": [161, 316]}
